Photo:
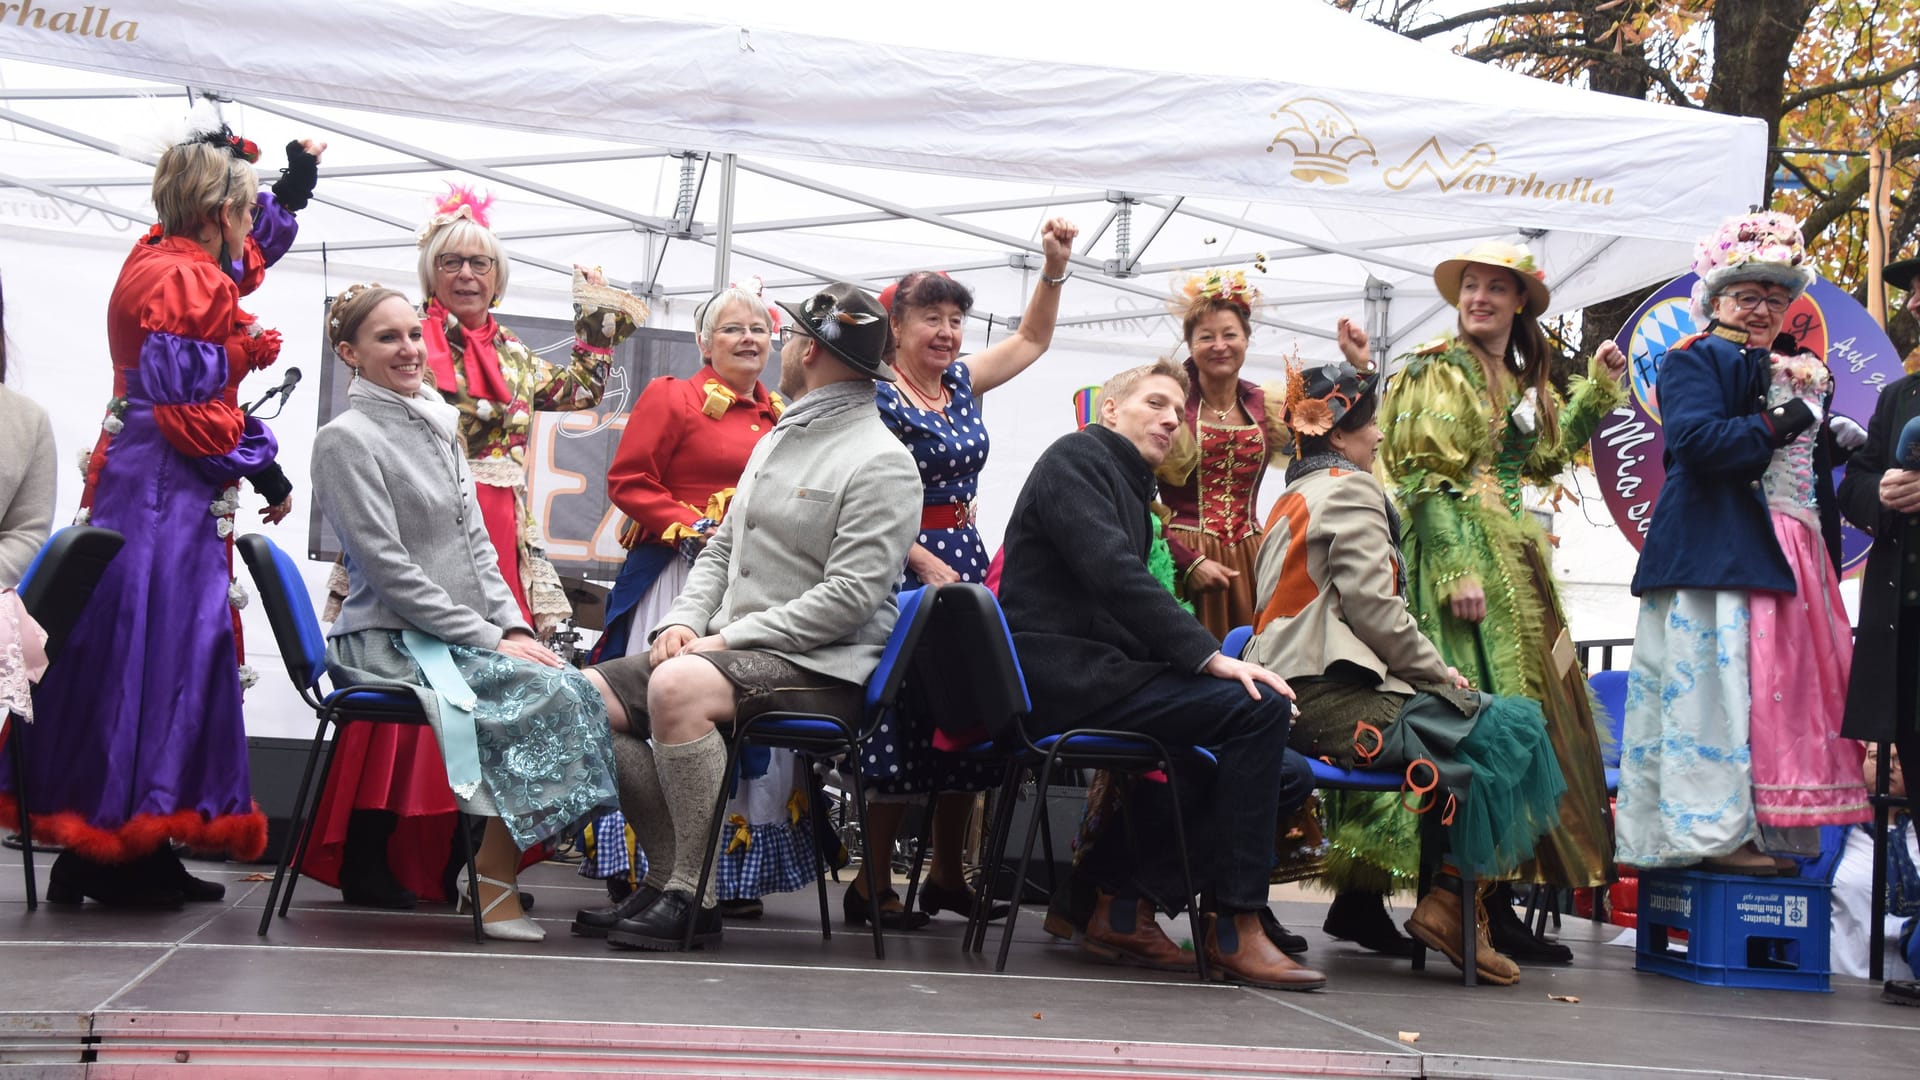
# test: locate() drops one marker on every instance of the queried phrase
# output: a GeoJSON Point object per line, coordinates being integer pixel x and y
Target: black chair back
{"type": "Point", "coordinates": [61, 578]}
{"type": "Point", "coordinates": [964, 672]}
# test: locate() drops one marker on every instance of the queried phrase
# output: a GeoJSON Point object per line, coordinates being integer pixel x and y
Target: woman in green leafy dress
{"type": "Point", "coordinates": [1470, 419]}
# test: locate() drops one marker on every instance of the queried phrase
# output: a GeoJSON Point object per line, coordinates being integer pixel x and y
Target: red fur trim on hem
{"type": "Point", "coordinates": [241, 836]}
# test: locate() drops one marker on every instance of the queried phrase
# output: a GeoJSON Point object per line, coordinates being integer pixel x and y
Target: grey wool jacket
{"type": "Point", "coordinates": [26, 482]}
{"type": "Point", "coordinates": [805, 561]}
{"type": "Point", "coordinates": [402, 502]}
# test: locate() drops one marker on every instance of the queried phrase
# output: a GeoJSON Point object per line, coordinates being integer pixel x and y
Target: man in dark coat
{"type": "Point", "coordinates": [1881, 496]}
{"type": "Point", "coordinates": [1103, 644]}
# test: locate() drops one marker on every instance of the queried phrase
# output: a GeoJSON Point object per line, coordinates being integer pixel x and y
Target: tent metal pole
{"type": "Point", "coordinates": [107, 208]}
{"type": "Point", "coordinates": [1331, 247]}
{"type": "Point", "coordinates": [829, 220]}
{"type": "Point", "coordinates": [1133, 261]}
{"type": "Point", "coordinates": [723, 228]}
{"type": "Point", "coordinates": [1379, 298]}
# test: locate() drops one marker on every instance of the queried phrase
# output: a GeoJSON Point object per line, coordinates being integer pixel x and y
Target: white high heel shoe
{"type": "Point", "coordinates": [520, 929]}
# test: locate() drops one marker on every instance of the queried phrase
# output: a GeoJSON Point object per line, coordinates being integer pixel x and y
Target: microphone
{"type": "Point", "coordinates": [1907, 453]}
{"type": "Point", "coordinates": [281, 392]}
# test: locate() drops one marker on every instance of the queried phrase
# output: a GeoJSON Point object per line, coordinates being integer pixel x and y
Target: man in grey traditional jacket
{"type": "Point", "coordinates": [787, 609]}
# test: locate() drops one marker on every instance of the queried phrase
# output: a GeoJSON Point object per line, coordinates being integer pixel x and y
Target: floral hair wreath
{"type": "Point", "coordinates": [1217, 284]}
{"type": "Point", "coordinates": [461, 202]}
{"type": "Point", "coordinates": [1764, 246]}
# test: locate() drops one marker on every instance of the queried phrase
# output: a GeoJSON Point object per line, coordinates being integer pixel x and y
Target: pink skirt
{"type": "Point", "coordinates": [1801, 652]}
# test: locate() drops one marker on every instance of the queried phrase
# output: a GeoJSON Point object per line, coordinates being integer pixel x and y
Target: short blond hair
{"type": "Point", "coordinates": [197, 180]}
{"type": "Point", "coordinates": [1123, 385]}
{"type": "Point", "coordinates": [708, 313]}
{"type": "Point", "coordinates": [456, 233]}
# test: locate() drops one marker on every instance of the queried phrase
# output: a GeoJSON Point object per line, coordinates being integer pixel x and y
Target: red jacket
{"type": "Point", "coordinates": [674, 457]}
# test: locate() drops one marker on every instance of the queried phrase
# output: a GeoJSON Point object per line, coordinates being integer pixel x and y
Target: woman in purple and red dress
{"type": "Point", "coordinates": [149, 749]}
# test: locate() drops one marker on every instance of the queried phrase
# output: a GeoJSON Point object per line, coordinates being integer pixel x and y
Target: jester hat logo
{"type": "Point", "coordinates": [1323, 140]}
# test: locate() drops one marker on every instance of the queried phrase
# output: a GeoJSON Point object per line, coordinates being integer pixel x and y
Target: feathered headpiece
{"type": "Point", "coordinates": [1321, 396]}
{"type": "Point", "coordinates": [200, 124]}
{"type": "Point", "coordinates": [1764, 246]}
{"type": "Point", "coordinates": [460, 202]}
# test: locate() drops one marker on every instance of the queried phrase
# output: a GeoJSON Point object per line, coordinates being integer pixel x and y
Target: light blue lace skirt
{"type": "Point", "coordinates": [545, 756]}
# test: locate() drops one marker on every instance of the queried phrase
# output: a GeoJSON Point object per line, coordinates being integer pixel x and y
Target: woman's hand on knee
{"type": "Point", "coordinates": [521, 646]}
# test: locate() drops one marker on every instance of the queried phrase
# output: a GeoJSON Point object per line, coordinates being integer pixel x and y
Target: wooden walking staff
{"type": "Point", "coordinates": [1878, 202]}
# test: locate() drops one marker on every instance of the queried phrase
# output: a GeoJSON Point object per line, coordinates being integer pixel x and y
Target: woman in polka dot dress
{"type": "Point", "coordinates": [934, 408]}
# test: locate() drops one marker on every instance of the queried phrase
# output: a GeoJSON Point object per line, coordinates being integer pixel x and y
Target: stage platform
{"type": "Point", "coordinates": [347, 993]}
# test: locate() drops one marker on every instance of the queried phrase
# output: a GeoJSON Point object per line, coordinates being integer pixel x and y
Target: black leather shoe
{"type": "Point", "coordinates": [745, 908]}
{"type": "Point", "coordinates": [853, 907]}
{"type": "Point", "coordinates": [74, 880]}
{"type": "Point", "coordinates": [1361, 917]}
{"type": "Point", "coordinates": [595, 922]}
{"type": "Point", "coordinates": [164, 872]}
{"type": "Point", "coordinates": [936, 898]}
{"type": "Point", "coordinates": [366, 879]}
{"type": "Point", "coordinates": [1511, 935]}
{"type": "Point", "coordinates": [1283, 939]}
{"type": "Point", "coordinates": [662, 927]}
{"type": "Point", "coordinates": [1901, 992]}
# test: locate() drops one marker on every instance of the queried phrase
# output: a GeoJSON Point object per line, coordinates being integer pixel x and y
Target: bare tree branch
{"type": "Point", "coordinates": [1796, 170]}
{"type": "Point", "coordinates": [1864, 82]}
{"type": "Point", "coordinates": [1847, 194]}
{"type": "Point", "coordinates": [1497, 11]}
{"type": "Point", "coordinates": [1548, 47]}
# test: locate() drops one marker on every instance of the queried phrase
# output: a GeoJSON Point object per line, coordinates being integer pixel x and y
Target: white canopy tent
{"type": "Point", "coordinates": [678, 149]}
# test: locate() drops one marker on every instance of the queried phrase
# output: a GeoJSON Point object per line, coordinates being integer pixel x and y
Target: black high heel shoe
{"type": "Point", "coordinates": [853, 906]}
{"type": "Point", "coordinates": [935, 898]}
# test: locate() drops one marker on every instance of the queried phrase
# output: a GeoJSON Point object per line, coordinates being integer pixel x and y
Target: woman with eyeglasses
{"type": "Point", "coordinates": [142, 743]}
{"type": "Point", "coordinates": [497, 384]}
{"type": "Point", "coordinates": [685, 445]}
{"type": "Point", "coordinates": [1743, 649]}
{"type": "Point", "coordinates": [1470, 419]}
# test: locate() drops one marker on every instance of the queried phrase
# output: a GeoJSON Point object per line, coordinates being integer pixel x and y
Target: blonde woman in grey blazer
{"type": "Point", "coordinates": [524, 737]}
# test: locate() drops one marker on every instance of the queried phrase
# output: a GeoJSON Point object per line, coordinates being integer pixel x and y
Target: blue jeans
{"type": "Point", "coordinates": [1230, 811]}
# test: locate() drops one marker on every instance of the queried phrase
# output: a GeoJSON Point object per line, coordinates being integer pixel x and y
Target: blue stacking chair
{"type": "Point", "coordinates": [55, 590]}
{"type": "Point", "coordinates": [1610, 690]}
{"type": "Point", "coordinates": [819, 735]}
{"type": "Point", "coordinates": [989, 693]}
{"type": "Point", "coordinates": [1432, 837]}
{"type": "Point", "coordinates": [297, 632]}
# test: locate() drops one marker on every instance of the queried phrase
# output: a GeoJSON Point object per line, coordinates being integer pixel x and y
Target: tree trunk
{"type": "Point", "coordinates": [1752, 43]}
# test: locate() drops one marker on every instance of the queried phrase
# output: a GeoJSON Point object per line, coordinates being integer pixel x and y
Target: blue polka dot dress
{"type": "Point", "coordinates": [950, 448]}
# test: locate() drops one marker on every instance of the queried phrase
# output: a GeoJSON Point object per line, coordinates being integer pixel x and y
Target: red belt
{"type": "Point", "coordinates": [947, 516]}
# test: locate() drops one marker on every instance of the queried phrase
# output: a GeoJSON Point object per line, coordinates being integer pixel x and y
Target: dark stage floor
{"type": "Point", "coordinates": [346, 992]}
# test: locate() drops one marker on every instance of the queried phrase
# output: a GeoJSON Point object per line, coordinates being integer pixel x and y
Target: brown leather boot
{"type": "Point", "coordinates": [1239, 950]}
{"type": "Point", "coordinates": [1143, 943]}
{"type": "Point", "coordinates": [1436, 924]}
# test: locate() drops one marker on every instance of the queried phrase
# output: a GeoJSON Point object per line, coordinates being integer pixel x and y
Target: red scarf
{"type": "Point", "coordinates": [479, 360]}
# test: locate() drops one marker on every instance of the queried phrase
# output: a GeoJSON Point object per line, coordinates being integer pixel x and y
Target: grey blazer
{"type": "Point", "coordinates": [805, 562]}
{"type": "Point", "coordinates": [402, 502]}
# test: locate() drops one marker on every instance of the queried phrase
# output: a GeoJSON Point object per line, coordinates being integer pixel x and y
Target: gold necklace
{"type": "Point", "coordinates": [1219, 414]}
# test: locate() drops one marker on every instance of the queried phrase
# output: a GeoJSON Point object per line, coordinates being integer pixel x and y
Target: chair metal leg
{"type": "Point", "coordinates": [1423, 885]}
{"type": "Point", "coordinates": [1469, 930]}
{"type": "Point", "coordinates": [294, 825]}
{"type": "Point", "coordinates": [1877, 922]}
{"type": "Point", "coordinates": [1046, 845]}
{"type": "Point", "coordinates": [715, 829]}
{"type": "Point", "coordinates": [921, 843]}
{"type": "Point", "coordinates": [464, 831]}
{"type": "Point", "coordinates": [1186, 871]}
{"type": "Point", "coordinates": [310, 805]}
{"type": "Point", "coordinates": [17, 738]}
{"type": "Point", "coordinates": [1026, 856]}
{"type": "Point", "coordinates": [996, 851]}
{"type": "Point", "coordinates": [820, 856]}
{"type": "Point", "coordinates": [867, 852]}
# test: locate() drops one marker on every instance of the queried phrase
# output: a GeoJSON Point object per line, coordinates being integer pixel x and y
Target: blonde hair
{"type": "Point", "coordinates": [1122, 385]}
{"type": "Point", "coordinates": [351, 307]}
{"type": "Point", "coordinates": [456, 233]}
{"type": "Point", "coordinates": [198, 180]}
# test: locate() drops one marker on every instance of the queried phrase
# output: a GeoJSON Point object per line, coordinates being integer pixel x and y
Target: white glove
{"type": "Point", "coordinates": [1849, 435]}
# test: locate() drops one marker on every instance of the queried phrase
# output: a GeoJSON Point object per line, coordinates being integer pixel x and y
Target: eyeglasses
{"type": "Point", "coordinates": [788, 333]}
{"type": "Point", "coordinates": [737, 330]}
{"type": "Point", "coordinates": [450, 264]}
{"type": "Point", "coordinates": [1754, 301]}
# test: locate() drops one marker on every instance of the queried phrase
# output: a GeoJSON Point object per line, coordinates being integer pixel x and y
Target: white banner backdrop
{"type": "Point", "coordinates": [1298, 103]}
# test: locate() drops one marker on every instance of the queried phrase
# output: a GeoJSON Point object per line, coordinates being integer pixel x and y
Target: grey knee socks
{"type": "Point", "coordinates": [690, 777]}
{"type": "Point", "coordinates": [641, 800]}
